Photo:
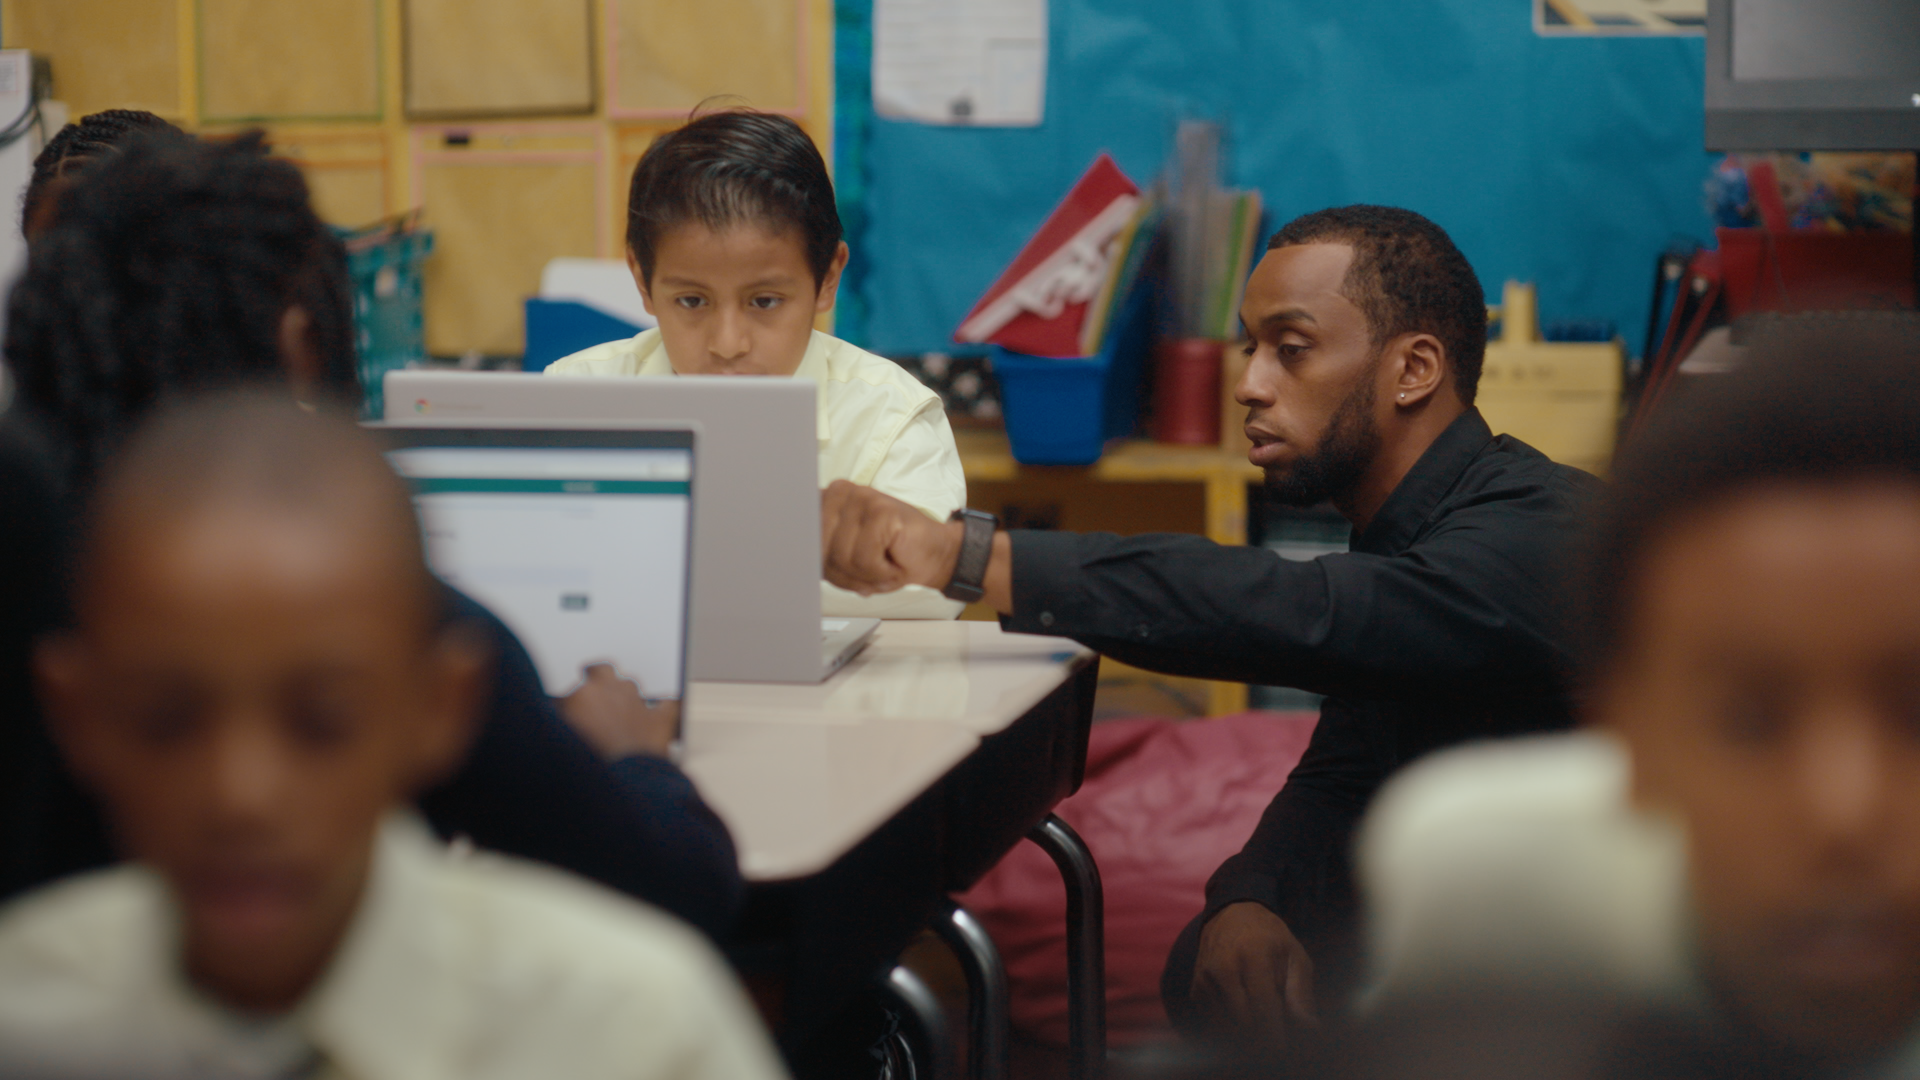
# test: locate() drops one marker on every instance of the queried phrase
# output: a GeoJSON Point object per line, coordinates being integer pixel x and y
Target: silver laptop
{"type": "Point", "coordinates": [756, 563]}
{"type": "Point", "coordinates": [579, 539]}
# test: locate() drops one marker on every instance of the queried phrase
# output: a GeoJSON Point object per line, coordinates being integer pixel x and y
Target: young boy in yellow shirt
{"type": "Point", "coordinates": [734, 241]}
{"type": "Point", "coordinates": [258, 680]}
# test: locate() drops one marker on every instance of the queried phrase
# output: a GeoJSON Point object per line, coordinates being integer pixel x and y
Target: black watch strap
{"type": "Point", "coordinates": [976, 550]}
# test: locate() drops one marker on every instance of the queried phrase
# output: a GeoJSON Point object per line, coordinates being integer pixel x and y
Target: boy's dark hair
{"type": "Point", "coordinates": [1822, 405]}
{"type": "Point", "coordinates": [170, 269]}
{"type": "Point", "coordinates": [1407, 277]}
{"type": "Point", "coordinates": [95, 136]}
{"type": "Point", "coordinates": [728, 168]}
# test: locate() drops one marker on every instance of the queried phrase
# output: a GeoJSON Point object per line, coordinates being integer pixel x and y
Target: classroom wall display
{"type": "Point", "coordinates": [1591, 17]}
{"type": "Point", "coordinates": [664, 57]}
{"type": "Point", "coordinates": [347, 172]}
{"type": "Point", "coordinates": [314, 60]}
{"type": "Point", "coordinates": [342, 86]}
{"type": "Point", "coordinates": [106, 54]}
{"type": "Point", "coordinates": [498, 57]}
{"type": "Point", "coordinates": [982, 62]}
{"type": "Point", "coordinates": [1570, 161]}
{"type": "Point", "coordinates": [502, 200]}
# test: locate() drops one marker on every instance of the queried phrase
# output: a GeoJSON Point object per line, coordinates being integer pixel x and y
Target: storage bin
{"type": "Point", "coordinates": [557, 328]}
{"type": "Point", "coordinates": [1063, 411]}
{"type": "Point", "coordinates": [1815, 270]}
{"type": "Point", "coordinates": [383, 262]}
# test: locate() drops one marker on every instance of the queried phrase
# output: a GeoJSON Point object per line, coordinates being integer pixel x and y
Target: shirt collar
{"type": "Point", "coordinates": [1428, 482]}
{"type": "Point", "coordinates": [813, 365]}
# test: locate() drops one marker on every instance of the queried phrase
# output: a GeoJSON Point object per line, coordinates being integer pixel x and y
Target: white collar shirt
{"type": "Point", "coordinates": [876, 425]}
{"type": "Point", "coordinates": [456, 966]}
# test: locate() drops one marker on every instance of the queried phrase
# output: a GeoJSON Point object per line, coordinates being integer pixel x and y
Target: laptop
{"type": "Point", "coordinates": [756, 567]}
{"type": "Point", "coordinates": [580, 540]}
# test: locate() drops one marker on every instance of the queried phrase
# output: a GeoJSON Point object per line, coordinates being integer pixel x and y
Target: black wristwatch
{"type": "Point", "coordinates": [968, 583]}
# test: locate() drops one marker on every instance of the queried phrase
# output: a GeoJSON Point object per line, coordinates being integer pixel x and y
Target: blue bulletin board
{"type": "Point", "coordinates": [1570, 161]}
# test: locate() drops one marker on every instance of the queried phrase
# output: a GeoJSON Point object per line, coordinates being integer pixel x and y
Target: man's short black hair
{"type": "Point", "coordinates": [1822, 404]}
{"type": "Point", "coordinates": [1407, 277]}
{"type": "Point", "coordinates": [728, 168]}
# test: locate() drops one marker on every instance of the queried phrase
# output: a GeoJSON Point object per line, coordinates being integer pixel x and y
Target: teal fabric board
{"type": "Point", "coordinates": [1568, 161]}
{"type": "Point", "coordinates": [852, 134]}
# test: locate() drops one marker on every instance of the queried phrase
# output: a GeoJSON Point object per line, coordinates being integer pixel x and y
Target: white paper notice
{"type": "Point", "coordinates": [974, 62]}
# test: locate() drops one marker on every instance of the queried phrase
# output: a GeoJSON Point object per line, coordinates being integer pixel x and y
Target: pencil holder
{"type": "Point", "coordinates": [1186, 391]}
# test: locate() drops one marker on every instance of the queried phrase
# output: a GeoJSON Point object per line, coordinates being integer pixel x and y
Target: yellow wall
{"type": "Point", "coordinates": [210, 65]}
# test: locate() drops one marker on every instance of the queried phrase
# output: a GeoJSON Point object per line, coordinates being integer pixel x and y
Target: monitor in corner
{"type": "Point", "coordinates": [1803, 75]}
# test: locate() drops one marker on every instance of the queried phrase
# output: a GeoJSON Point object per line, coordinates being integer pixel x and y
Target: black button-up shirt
{"type": "Point", "coordinates": [1439, 626]}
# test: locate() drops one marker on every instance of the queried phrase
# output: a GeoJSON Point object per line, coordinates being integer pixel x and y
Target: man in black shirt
{"type": "Point", "coordinates": [1367, 329]}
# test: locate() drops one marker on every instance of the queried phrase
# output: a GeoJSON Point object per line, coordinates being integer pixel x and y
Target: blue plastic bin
{"type": "Point", "coordinates": [1062, 412]}
{"type": "Point", "coordinates": [384, 263]}
{"type": "Point", "coordinates": [557, 328]}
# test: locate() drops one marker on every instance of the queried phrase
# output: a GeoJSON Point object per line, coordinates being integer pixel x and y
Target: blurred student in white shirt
{"type": "Point", "coordinates": [1736, 838]}
{"type": "Point", "coordinates": [735, 243]}
{"type": "Point", "coordinates": [256, 682]}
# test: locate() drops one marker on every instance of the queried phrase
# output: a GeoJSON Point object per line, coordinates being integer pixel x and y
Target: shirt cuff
{"type": "Point", "coordinates": [1236, 882]}
{"type": "Point", "coordinates": [1047, 593]}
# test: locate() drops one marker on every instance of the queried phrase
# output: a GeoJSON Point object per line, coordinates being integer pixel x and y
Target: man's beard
{"type": "Point", "coordinates": [1333, 469]}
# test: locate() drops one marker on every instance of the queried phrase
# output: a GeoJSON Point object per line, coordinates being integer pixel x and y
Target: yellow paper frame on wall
{"type": "Point", "coordinates": [327, 157]}
{"type": "Point", "coordinates": [619, 90]}
{"type": "Point", "coordinates": [480, 273]}
{"type": "Point", "coordinates": [435, 85]}
{"type": "Point", "coordinates": [304, 73]}
{"type": "Point", "coordinates": [101, 72]}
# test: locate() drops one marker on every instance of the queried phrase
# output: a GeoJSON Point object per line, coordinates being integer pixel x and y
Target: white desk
{"type": "Point", "coordinates": [970, 674]}
{"type": "Point", "coordinates": [860, 804]}
{"type": "Point", "coordinates": [801, 774]}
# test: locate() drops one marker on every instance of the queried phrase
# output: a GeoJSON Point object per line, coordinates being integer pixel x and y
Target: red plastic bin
{"type": "Point", "coordinates": [1814, 270]}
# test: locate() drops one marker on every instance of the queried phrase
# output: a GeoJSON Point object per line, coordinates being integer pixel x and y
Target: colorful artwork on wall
{"type": "Point", "coordinates": [1577, 18]}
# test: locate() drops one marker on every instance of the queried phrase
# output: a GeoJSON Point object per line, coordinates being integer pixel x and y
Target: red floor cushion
{"type": "Point", "coordinates": [1165, 803]}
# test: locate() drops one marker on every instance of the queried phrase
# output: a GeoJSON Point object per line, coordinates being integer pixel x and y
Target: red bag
{"type": "Point", "coordinates": [1164, 804]}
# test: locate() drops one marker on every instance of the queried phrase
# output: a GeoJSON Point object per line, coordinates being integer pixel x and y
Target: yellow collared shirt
{"type": "Point", "coordinates": [877, 426]}
{"type": "Point", "coordinates": [471, 967]}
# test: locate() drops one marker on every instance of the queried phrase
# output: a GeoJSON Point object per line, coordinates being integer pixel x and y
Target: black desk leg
{"type": "Point", "coordinates": [1086, 946]}
{"type": "Point", "coordinates": [927, 1052]}
{"type": "Point", "coordinates": [987, 1018]}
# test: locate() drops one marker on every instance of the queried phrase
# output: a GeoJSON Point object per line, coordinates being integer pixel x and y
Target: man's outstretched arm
{"type": "Point", "coordinates": [873, 543]}
{"type": "Point", "coordinates": [1469, 613]}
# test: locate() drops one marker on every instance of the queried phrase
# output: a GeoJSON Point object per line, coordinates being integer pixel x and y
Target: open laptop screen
{"type": "Point", "coordinates": [577, 540]}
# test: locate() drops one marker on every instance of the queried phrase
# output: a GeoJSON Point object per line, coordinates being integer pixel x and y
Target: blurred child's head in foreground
{"type": "Point", "coordinates": [257, 673]}
{"type": "Point", "coordinates": [1755, 618]}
